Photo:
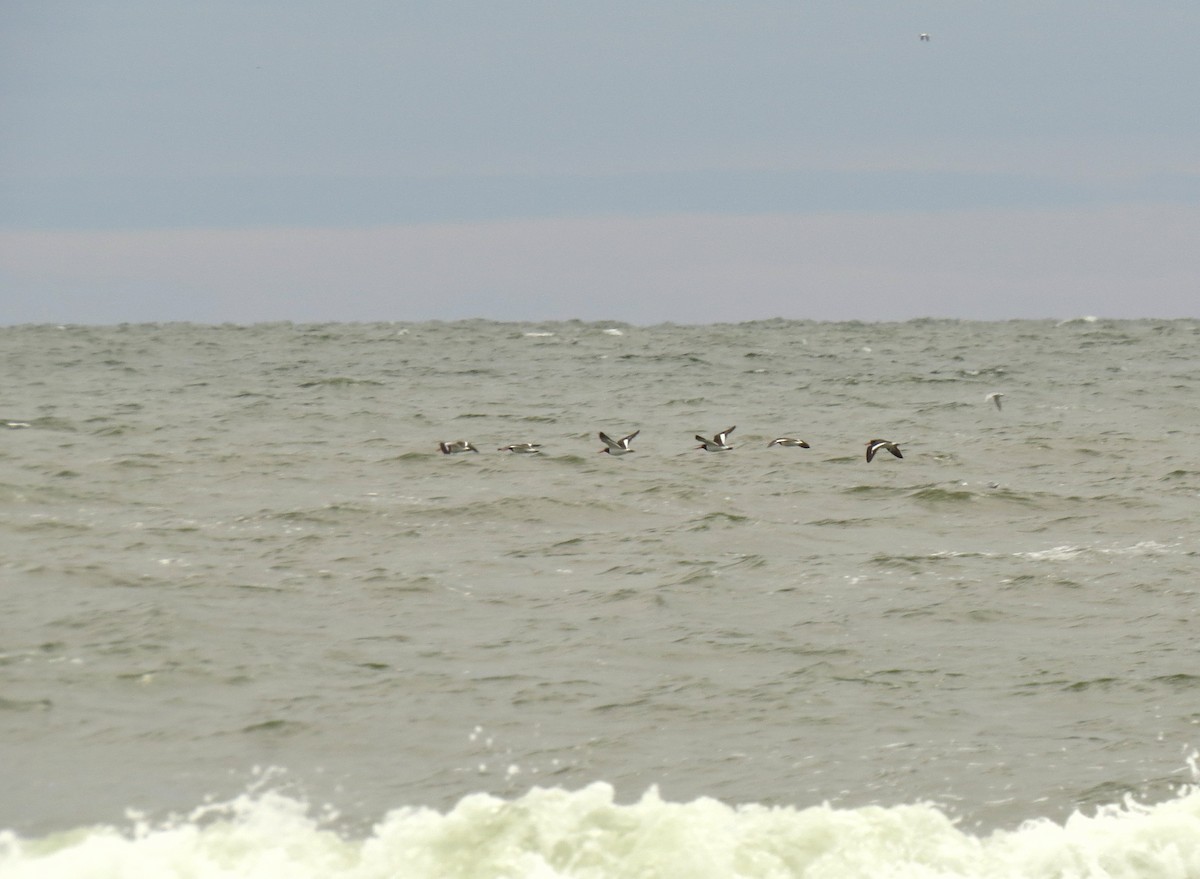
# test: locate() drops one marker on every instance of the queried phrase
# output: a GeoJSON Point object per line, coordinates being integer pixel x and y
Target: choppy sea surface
{"type": "Point", "coordinates": [253, 623]}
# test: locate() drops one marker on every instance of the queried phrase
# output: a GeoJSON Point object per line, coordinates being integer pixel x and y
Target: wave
{"type": "Point", "coordinates": [1068, 552]}
{"type": "Point", "coordinates": [550, 832]}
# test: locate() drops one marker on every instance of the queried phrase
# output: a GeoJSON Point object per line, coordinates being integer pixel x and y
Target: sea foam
{"type": "Point", "coordinates": [585, 834]}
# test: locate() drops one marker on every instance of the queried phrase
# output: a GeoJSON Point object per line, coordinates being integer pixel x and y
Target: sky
{"type": "Point", "coordinates": [651, 161]}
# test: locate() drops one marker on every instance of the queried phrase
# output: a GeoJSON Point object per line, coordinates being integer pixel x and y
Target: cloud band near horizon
{"type": "Point", "coordinates": [1121, 262]}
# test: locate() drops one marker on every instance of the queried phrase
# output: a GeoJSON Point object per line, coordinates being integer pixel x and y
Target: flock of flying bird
{"type": "Point", "coordinates": [719, 442]}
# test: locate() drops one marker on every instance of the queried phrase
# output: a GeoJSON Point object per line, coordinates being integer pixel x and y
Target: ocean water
{"type": "Point", "coordinates": [253, 623]}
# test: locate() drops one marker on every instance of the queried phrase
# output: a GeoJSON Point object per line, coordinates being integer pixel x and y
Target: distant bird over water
{"type": "Point", "coordinates": [994, 397]}
{"type": "Point", "coordinates": [457, 446]}
{"type": "Point", "coordinates": [522, 448]}
{"type": "Point", "coordinates": [876, 444]}
{"type": "Point", "coordinates": [789, 441]}
{"type": "Point", "coordinates": [925, 38]}
{"type": "Point", "coordinates": [719, 442]}
{"type": "Point", "coordinates": [617, 447]}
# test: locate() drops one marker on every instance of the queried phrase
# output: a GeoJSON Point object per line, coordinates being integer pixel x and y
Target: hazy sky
{"type": "Point", "coordinates": [640, 161]}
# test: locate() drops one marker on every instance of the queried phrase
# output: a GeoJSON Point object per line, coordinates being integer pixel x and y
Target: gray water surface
{"type": "Point", "coordinates": [224, 548]}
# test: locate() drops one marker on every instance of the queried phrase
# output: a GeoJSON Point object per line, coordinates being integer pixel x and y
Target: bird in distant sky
{"type": "Point", "coordinates": [925, 38]}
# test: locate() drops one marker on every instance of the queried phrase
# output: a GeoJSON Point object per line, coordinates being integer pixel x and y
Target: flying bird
{"type": "Point", "coordinates": [994, 397]}
{"type": "Point", "coordinates": [719, 442]}
{"type": "Point", "coordinates": [522, 448]}
{"type": "Point", "coordinates": [925, 38]}
{"type": "Point", "coordinates": [457, 446]}
{"type": "Point", "coordinates": [789, 441]}
{"type": "Point", "coordinates": [876, 444]}
{"type": "Point", "coordinates": [617, 447]}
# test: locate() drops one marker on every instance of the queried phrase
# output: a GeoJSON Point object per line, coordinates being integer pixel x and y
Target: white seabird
{"type": "Point", "coordinates": [876, 444]}
{"type": "Point", "coordinates": [719, 442]}
{"type": "Point", "coordinates": [994, 397]}
{"type": "Point", "coordinates": [522, 448]}
{"type": "Point", "coordinates": [617, 447]}
{"type": "Point", "coordinates": [789, 441]}
{"type": "Point", "coordinates": [457, 446]}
